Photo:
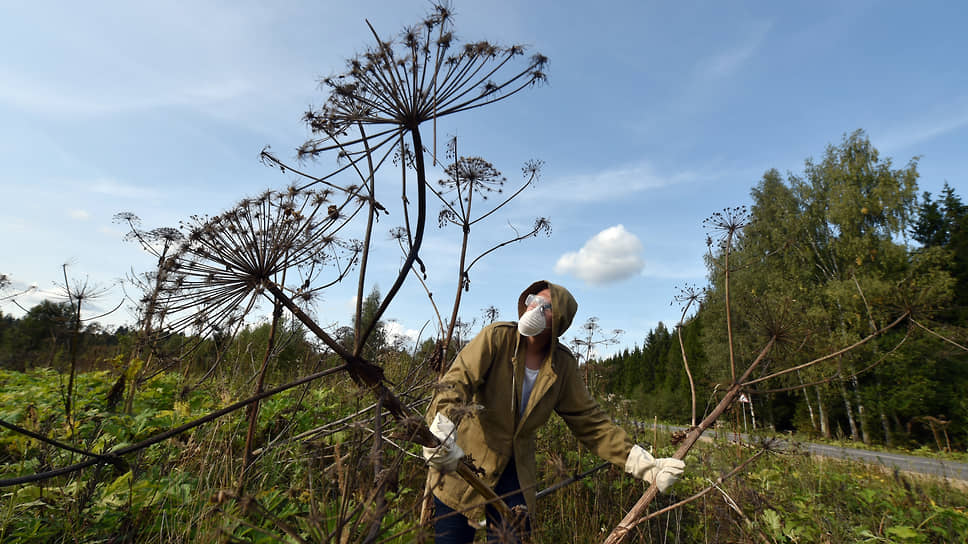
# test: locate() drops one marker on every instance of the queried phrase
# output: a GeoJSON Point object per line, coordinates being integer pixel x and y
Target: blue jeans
{"type": "Point", "coordinates": [454, 529]}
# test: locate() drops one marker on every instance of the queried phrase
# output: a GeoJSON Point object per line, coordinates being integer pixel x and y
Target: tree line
{"type": "Point", "coordinates": [826, 257]}
{"type": "Point", "coordinates": [43, 336]}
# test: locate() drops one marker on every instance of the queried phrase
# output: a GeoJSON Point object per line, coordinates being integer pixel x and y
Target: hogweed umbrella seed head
{"type": "Point", "coordinates": [395, 85]}
{"type": "Point", "coordinates": [227, 262]}
{"type": "Point", "coordinates": [688, 295]}
{"type": "Point", "coordinates": [471, 174]}
{"type": "Point", "coordinates": [542, 224]}
{"type": "Point", "coordinates": [532, 168]}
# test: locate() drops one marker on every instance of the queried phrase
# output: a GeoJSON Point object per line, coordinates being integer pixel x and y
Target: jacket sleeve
{"type": "Point", "coordinates": [588, 421]}
{"type": "Point", "coordinates": [456, 388]}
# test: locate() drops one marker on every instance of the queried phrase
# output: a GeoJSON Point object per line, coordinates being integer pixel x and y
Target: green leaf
{"type": "Point", "coordinates": [120, 483]}
{"type": "Point", "coordinates": [772, 521]}
{"type": "Point", "coordinates": [902, 531]}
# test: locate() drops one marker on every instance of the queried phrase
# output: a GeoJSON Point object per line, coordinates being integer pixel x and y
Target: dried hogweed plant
{"type": "Point", "coordinates": [278, 244]}
{"type": "Point", "coordinates": [688, 296]}
{"type": "Point", "coordinates": [386, 93]}
{"type": "Point", "coordinates": [389, 91]}
{"type": "Point", "coordinates": [6, 282]}
{"type": "Point", "coordinates": [467, 177]}
{"type": "Point", "coordinates": [139, 365]}
{"type": "Point", "coordinates": [79, 293]}
{"type": "Point", "coordinates": [726, 226]}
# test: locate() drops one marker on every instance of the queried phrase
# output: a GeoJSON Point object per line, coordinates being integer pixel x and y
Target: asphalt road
{"type": "Point", "coordinates": [906, 463]}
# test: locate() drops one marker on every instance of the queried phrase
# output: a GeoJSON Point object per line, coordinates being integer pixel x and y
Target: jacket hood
{"type": "Point", "coordinates": [563, 305]}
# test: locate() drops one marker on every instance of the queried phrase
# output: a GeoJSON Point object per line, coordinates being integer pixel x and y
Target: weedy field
{"type": "Point", "coordinates": [215, 422]}
{"type": "Point", "coordinates": [309, 474]}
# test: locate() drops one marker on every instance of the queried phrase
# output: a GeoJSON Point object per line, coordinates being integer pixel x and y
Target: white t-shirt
{"type": "Point", "coordinates": [529, 378]}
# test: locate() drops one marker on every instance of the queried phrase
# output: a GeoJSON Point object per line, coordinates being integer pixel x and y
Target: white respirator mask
{"type": "Point", "coordinates": [533, 321]}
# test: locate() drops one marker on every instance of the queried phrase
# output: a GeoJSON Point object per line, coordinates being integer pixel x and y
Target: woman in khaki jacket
{"type": "Point", "coordinates": [500, 389]}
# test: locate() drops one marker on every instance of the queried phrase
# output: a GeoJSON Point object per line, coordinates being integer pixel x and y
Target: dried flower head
{"type": "Point", "coordinates": [395, 85]}
{"type": "Point", "coordinates": [471, 175]}
{"type": "Point", "coordinates": [225, 262]}
{"type": "Point", "coordinates": [689, 295]}
{"type": "Point", "coordinates": [779, 318]}
{"type": "Point", "coordinates": [726, 225]}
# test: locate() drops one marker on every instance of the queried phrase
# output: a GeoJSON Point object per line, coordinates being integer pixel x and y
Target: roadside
{"type": "Point", "coordinates": [951, 470]}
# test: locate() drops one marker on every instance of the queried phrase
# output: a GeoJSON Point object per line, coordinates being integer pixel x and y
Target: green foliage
{"type": "Point", "coordinates": [822, 264]}
{"type": "Point", "coordinates": [942, 227]}
{"type": "Point", "coordinates": [653, 375]}
{"type": "Point", "coordinates": [181, 490]}
{"type": "Point", "coordinates": [376, 343]}
{"type": "Point", "coordinates": [41, 338]}
{"type": "Point", "coordinates": [165, 497]}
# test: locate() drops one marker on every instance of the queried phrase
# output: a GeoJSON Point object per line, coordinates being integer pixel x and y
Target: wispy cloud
{"type": "Point", "coordinates": [13, 224]}
{"type": "Point", "coordinates": [729, 61]}
{"type": "Point", "coordinates": [926, 127]}
{"type": "Point", "coordinates": [144, 58]}
{"type": "Point", "coordinates": [611, 255]}
{"type": "Point", "coordinates": [609, 184]}
{"type": "Point", "coordinates": [82, 215]}
{"type": "Point", "coordinates": [114, 188]}
{"type": "Point", "coordinates": [53, 97]}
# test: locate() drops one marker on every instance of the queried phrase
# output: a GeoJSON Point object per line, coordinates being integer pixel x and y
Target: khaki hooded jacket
{"type": "Point", "coordinates": [482, 391]}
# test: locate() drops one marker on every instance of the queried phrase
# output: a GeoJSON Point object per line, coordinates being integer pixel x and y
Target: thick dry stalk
{"type": "Point", "coordinates": [736, 470]}
{"type": "Point", "coordinates": [946, 339]}
{"type": "Point", "coordinates": [571, 479]}
{"type": "Point", "coordinates": [839, 352]}
{"type": "Point", "coordinates": [729, 321]}
{"type": "Point", "coordinates": [108, 459]}
{"type": "Point", "coordinates": [417, 238]}
{"type": "Point", "coordinates": [685, 362]}
{"type": "Point", "coordinates": [370, 376]}
{"type": "Point", "coordinates": [621, 531]}
{"type": "Point", "coordinates": [834, 377]}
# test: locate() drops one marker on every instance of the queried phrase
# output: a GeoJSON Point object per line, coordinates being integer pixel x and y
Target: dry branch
{"type": "Point", "coordinates": [621, 531]}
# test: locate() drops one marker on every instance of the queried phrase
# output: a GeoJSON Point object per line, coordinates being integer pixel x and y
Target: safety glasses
{"type": "Point", "coordinates": [536, 300]}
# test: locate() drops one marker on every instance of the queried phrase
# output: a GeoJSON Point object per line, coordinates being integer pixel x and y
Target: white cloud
{"type": "Point", "coordinates": [78, 214]}
{"type": "Point", "coordinates": [611, 255]}
{"type": "Point", "coordinates": [395, 332]}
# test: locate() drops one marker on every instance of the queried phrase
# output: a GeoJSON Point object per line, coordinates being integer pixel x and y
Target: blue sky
{"type": "Point", "coordinates": [656, 115]}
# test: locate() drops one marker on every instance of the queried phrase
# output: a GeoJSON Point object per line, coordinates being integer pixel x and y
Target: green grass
{"type": "Point", "coordinates": [781, 497]}
{"type": "Point", "coordinates": [186, 489]}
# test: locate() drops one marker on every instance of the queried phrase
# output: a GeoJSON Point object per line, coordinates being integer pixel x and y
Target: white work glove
{"type": "Point", "coordinates": [660, 472]}
{"type": "Point", "coordinates": [448, 454]}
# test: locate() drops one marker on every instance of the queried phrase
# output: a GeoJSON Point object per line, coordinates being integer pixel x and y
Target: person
{"type": "Point", "coordinates": [499, 390]}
